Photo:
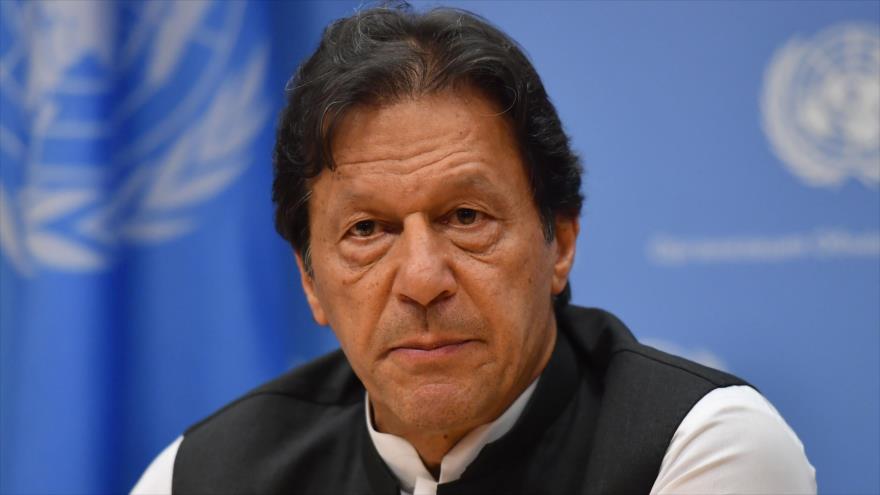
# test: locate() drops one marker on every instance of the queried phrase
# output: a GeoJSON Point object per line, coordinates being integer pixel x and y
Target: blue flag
{"type": "Point", "coordinates": [143, 285]}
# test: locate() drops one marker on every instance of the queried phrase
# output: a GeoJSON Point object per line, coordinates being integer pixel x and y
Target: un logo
{"type": "Point", "coordinates": [821, 105]}
{"type": "Point", "coordinates": [119, 120]}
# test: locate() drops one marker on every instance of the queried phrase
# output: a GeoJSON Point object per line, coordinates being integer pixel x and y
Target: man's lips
{"type": "Point", "coordinates": [426, 351]}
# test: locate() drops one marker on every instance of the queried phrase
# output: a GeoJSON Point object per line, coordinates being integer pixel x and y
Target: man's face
{"type": "Point", "coordinates": [430, 263]}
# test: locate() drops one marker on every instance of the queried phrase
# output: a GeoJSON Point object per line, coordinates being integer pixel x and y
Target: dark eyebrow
{"type": "Point", "coordinates": [476, 181]}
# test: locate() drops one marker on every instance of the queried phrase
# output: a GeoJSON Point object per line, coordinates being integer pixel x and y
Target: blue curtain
{"type": "Point", "coordinates": [143, 285]}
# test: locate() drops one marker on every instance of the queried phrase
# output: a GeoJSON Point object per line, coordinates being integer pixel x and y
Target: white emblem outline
{"type": "Point", "coordinates": [150, 204]}
{"type": "Point", "coordinates": [785, 81]}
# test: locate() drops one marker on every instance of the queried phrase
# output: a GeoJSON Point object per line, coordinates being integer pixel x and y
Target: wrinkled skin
{"type": "Point", "coordinates": [430, 264]}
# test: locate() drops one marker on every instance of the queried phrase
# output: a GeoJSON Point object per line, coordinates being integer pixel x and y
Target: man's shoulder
{"type": "Point", "coordinates": [614, 353]}
{"type": "Point", "coordinates": [749, 445]}
{"type": "Point", "coordinates": [291, 431]}
{"type": "Point", "coordinates": [325, 382]}
{"type": "Point", "coordinates": [645, 395]}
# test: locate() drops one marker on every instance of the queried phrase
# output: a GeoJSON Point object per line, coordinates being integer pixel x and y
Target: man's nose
{"type": "Point", "coordinates": [424, 275]}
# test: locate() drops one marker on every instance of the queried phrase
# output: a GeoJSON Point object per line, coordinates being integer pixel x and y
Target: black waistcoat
{"type": "Point", "coordinates": [599, 421]}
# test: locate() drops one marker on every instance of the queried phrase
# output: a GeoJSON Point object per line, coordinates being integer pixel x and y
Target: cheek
{"type": "Point", "coordinates": [512, 287]}
{"type": "Point", "coordinates": [526, 265]}
{"type": "Point", "coordinates": [354, 331]}
{"type": "Point", "coordinates": [353, 302]}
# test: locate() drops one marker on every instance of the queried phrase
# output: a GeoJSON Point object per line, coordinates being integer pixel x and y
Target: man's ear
{"type": "Point", "coordinates": [308, 285]}
{"type": "Point", "coordinates": [567, 229]}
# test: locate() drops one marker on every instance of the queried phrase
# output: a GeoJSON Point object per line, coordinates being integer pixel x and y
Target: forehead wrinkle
{"type": "Point", "coordinates": [397, 167]}
{"type": "Point", "coordinates": [433, 143]}
{"type": "Point", "coordinates": [451, 180]}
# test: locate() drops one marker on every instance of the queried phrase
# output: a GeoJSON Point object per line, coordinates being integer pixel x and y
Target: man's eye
{"type": "Point", "coordinates": [466, 216]}
{"type": "Point", "coordinates": [364, 228]}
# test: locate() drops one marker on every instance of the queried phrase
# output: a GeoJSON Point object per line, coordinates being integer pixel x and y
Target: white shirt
{"type": "Point", "coordinates": [731, 441]}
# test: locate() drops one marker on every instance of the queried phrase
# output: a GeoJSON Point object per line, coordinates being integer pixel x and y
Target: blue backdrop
{"type": "Point", "coordinates": [733, 214]}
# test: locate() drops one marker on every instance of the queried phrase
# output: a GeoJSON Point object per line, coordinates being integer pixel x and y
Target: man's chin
{"type": "Point", "coordinates": [441, 407]}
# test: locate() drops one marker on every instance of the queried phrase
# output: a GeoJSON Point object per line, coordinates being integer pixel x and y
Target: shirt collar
{"type": "Point", "coordinates": [403, 460]}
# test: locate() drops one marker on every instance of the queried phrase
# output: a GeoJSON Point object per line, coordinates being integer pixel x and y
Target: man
{"type": "Point", "coordinates": [431, 197]}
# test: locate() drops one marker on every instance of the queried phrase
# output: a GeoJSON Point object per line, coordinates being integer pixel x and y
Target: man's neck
{"type": "Point", "coordinates": [433, 445]}
{"type": "Point", "coordinates": [406, 463]}
{"type": "Point", "coordinates": [433, 448]}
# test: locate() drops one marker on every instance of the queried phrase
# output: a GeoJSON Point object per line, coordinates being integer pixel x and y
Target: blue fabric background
{"type": "Point", "coordinates": [102, 368]}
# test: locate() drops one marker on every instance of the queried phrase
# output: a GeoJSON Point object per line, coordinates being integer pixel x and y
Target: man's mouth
{"type": "Point", "coordinates": [418, 352]}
